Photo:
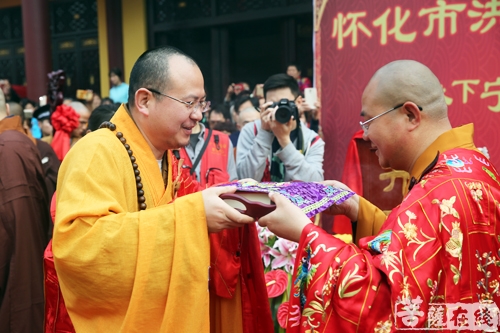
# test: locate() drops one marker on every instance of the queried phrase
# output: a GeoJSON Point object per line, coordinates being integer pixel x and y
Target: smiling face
{"type": "Point", "coordinates": [170, 123]}
{"type": "Point", "coordinates": [386, 132]}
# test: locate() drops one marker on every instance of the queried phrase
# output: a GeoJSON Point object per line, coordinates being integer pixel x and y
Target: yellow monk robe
{"type": "Point", "coordinates": [122, 270]}
{"type": "Point", "coordinates": [371, 218]}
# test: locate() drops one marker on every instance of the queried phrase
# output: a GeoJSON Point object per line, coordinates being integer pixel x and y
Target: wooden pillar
{"type": "Point", "coordinates": [225, 72]}
{"type": "Point", "coordinates": [115, 34]}
{"type": "Point", "coordinates": [216, 66]}
{"type": "Point", "coordinates": [289, 38]}
{"type": "Point", "coordinates": [220, 63]}
{"type": "Point", "coordinates": [134, 33]}
{"type": "Point", "coordinates": [37, 56]}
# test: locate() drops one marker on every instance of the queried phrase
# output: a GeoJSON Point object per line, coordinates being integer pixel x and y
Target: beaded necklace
{"type": "Point", "coordinates": [141, 199]}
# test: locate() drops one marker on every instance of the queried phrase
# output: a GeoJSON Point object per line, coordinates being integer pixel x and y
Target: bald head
{"type": "Point", "coordinates": [84, 113]}
{"type": "Point", "coordinates": [411, 100]}
{"type": "Point", "coordinates": [16, 109]}
{"type": "Point", "coordinates": [408, 80]}
{"type": "Point", "coordinates": [80, 108]}
{"type": "Point", "coordinates": [154, 69]}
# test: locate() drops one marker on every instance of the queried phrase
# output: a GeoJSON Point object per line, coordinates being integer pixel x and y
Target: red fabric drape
{"type": "Point", "coordinates": [351, 176]}
{"type": "Point", "coordinates": [64, 120]}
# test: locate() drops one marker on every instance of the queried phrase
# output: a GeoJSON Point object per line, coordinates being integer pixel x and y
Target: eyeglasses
{"type": "Point", "coordinates": [365, 125]}
{"type": "Point", "coordinates": [204, 106]}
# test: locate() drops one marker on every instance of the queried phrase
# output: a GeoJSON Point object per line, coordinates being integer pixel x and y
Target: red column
{"type": "Point", "coordinates": [37, 56]}
{"type": "Point", "coordinates": [115, 34]}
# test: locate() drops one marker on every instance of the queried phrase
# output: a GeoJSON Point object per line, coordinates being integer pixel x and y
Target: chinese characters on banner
{"type": "Point", "coordinates": [458, 40]}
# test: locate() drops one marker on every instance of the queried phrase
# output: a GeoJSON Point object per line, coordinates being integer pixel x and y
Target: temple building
{"type": "Point", "coordinates": [232, 40]}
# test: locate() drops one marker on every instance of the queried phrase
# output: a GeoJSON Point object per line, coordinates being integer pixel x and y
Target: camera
{"type": "Point", "coordinates": [286, 109]}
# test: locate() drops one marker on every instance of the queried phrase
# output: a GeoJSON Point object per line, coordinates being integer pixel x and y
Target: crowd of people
{"type": "Point", "coordinates": [123, 188]}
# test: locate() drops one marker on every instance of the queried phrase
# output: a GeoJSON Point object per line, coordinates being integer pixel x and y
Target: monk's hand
{"type": "Point", "coordinates": [219, 214]}
{"type": "Point", "coordinates": [349, 208]}
{"type": "Point", "coordinates": [287, 220]}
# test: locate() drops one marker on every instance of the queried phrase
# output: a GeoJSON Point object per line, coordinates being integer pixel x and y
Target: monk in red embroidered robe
{"type": "Point", "coordinates": [434, 262]}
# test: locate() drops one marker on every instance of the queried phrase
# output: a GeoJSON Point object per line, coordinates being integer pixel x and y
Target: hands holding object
{"type": "Point", "coordinates": [285, 208]}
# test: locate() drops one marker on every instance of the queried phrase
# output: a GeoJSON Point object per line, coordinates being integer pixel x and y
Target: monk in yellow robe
{"type": "Point", "coordinates": [128, 257]}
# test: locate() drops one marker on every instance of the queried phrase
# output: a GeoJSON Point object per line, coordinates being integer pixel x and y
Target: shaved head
{"type": "Point", "coordinates": [408, 80]}
{"type": "Point", "coordinates": [84, 113]}
{"type": "Point", "coordinates": [154, 69]}
{"type": "Point", "coordinates": [413, 99]}
{"type": "Point", "coordinates": [16, 109]}
{"type": "Point", "coordinates": [80, 108]}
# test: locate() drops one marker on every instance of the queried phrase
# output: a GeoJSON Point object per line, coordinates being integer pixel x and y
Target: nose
{"type": "Point", "coordinates": [365, 135]}
{"type": "Point", "coordinates": [196, 114]}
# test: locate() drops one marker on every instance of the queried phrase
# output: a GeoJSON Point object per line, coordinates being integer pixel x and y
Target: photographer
{"type": "Point", "coordinates": [277, 147]}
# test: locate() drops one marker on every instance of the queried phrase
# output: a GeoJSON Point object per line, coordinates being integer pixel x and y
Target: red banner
{"type": "Point", "coordinates": [458, 40]}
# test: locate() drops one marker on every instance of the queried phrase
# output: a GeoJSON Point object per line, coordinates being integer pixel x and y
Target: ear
{"type": "Point", "coordinates": [413, 114]}
{"type": "Point", "coordinates": [143, 99]}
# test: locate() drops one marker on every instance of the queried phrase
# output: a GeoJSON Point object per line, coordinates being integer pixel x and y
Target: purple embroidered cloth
{"type": "Point", "coordinates": [312, 198]}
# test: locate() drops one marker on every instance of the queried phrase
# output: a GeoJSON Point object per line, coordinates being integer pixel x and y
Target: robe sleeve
{"type": "Point", "coordinates": [342, 287]}
{"type": "Point", "coordinates": [370, 219]}
{"type": "Point", "coordinates": [435, 251]}
{"type": "Point", "coordinates": [114, 261]}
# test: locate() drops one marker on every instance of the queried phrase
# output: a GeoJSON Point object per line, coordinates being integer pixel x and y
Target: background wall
{"type": "Point", "coordinates": [458, 40]}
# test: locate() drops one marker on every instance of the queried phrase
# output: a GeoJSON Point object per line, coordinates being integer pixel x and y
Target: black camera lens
{"type": "Point", "coordinates": [283, 114]}
{"type": "Point", "coordinates": [286, 109]}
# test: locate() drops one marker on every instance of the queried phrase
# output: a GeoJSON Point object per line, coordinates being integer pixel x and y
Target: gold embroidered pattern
{"type": "Point", "coordinates": [384, 326]}
{"type": "Point", "coordinates": [454, 245]}
{"type": "Point", "coordinates": [411, 233]}
{"type": "Point", "coordinates": [476, 190]}
{"type": "Point", "coordinates": [487, 286]}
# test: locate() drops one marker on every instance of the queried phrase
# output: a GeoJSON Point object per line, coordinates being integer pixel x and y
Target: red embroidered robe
{"type": "Point", "coordinates": [441, 245]}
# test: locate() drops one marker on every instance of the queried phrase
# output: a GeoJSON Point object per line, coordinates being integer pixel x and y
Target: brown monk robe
{"type": "Point", "coordinates": [50, 162]}
{"type": "Point", "coordinates": [50, 165]}
{"type": "Point", "coordinates": [24, 222]}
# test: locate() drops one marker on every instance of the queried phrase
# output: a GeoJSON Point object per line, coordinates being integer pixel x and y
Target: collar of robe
{"type": "Point", "coordinates": [414, 180]}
